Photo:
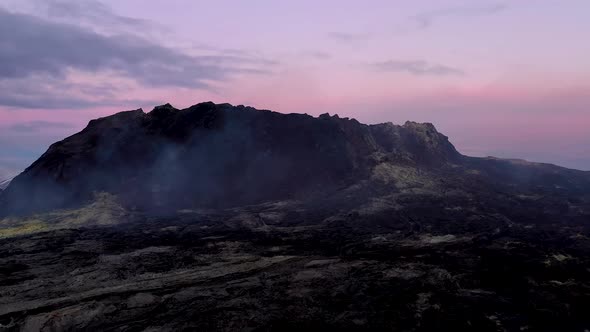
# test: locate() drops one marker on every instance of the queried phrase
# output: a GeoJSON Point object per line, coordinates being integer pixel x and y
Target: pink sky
{"type": "Point", "coordinates": [502, 78]}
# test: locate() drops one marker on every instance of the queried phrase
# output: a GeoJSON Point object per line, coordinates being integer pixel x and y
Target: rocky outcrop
{"type": "Point", "coordinates": [416, 143]}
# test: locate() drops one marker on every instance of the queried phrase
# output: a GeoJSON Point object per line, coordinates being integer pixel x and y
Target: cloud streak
{"type": "Point", "coordinates": [94, 13]}
{"type": "Point", "coordinates": [428, 18]}
{"type": "Point", "coordinates": [347, 37]}
{"type": "Point", "coordinates": [416, 67]}
{"type": "Point", "coordinates": [37, 126]}
{"type": "Point", "coordinates": [47, 92]}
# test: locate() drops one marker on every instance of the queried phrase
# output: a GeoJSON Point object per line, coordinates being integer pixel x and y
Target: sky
{"type": "Point", "coordinates": [500, 78]}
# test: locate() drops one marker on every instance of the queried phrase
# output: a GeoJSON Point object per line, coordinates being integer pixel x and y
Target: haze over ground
{"type": "Point", "coordinates": [509, 79]}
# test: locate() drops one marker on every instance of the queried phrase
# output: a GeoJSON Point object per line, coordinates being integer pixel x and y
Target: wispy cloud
{"type": "Point", "coordinates": [416, 67]}
{"type": "Point", "coordinates": [95, 15]}
{"type": "Point", "coordinates": [348, 37]}
{"type": "Point", "coordinates": [36, 126]}
{"type": "Point", "coordinates": [319, 55]}
{"type": "Point", "coordinates": [43, 91]}
{"type": "Point", "coordinates": [92, 11]}
{"type": "Point", "coordinates": [426, 19]}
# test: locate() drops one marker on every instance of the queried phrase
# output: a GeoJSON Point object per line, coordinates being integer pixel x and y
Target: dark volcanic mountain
{"type": "Point", "coordinates": [219, 156]}
{"type": "Point", "coordinates": [228, 218]}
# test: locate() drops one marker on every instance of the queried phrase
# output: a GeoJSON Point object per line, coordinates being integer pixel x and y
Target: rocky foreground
{"type": "Point", "coordinates": [355, 227]}
{"type": "Point", "coordinates": [284, 267]}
